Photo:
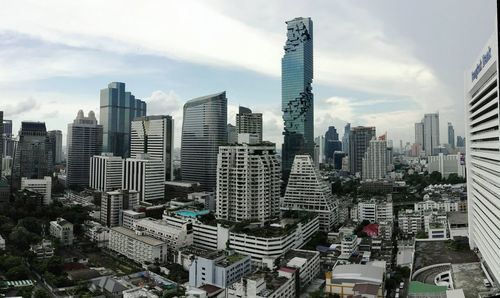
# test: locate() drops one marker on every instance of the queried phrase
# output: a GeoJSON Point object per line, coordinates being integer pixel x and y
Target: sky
{"type": "Point", "coordinates": [376, 62]}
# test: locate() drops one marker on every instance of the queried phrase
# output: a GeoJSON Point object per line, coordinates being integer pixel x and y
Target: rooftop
{"type": "Point", "coordinates": [359, 272]}
{"type": "Point", "coordinates": [437, 252]}
{"type": "Point", "coordinates": [468, 277]}
{"type": "Point", "coordinates": [132, 234]}
{"type": "Point", "coordinates": [417, 287]}
{"type": "Point", "coordinates": [457, 218]}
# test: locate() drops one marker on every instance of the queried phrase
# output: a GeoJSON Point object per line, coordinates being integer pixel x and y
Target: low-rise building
{"type": "Point", "coordinates": [113, 202]}
{"type": "Point", "coordinates": [176, 236]}
{"type": "Point", "coordinates": [41, 186]}
{"type": "Point", "coordinates": [97, 233]}
{"type": "Point", "coordinates": [376, 209]}
{"type": "Point", "coordinates": [349, 245]}
{"type": "Point", "coordinates": [129, 217]}
{"type": "Point", "coordinates": [307, 263]}
{"type": "Point", "coordinates": [62, 230]}
{"type": "Point", "coordinates": [265, 285]}
{"type": "Point", "coordinates": [142, 249]}
{"type": "Point", "coordinates": [439, 205]}
{"type": "Point", "coordinates": [354, 279]}
{"type": "Point", "coordinates": [458, 224]}
{"type": "Point", "coordinates": [410, 222]}
{"type": "Point", "coordinates": [447, 164]}
{"type": "Point", "coordinates": [218, 268]}
{"type": "Point", "coordinates": [43, 250]}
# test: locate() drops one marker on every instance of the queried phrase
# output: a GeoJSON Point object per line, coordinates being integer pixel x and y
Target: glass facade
{"type": "Point", "coordinates": [118, 109]}
{"type": "Point", "coordinates": [297, 102]}
{"type": "Point", "coordinates": [204, 129]}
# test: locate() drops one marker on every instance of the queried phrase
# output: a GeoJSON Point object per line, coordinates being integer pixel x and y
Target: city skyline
{"type": "Point", "coordinates": [164, 78]}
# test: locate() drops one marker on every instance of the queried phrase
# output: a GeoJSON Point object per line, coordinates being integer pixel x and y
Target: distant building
{"type": "Point", "coordinates": [297, 99]}
{"type": "Point", "coordinates": [154, 135]}
{"type": "Point", "coordinates": [174, 236]}
{"type": "Point", "coordinates": [41, 186]}
{"type": "Point", "coordinates": [258, 199]}
{"type": "Point", "coordinates": [345, 138]}
{"type": "Point", "coordinates": [419, 135]}
{"type": "Point", "coordinates": [332, 144]}
{"type": "Point", "coordinates": [359, 141]}
{"type": "Point", "coordinates": [43, 250]}
{"type": "Point", "coordinates": [374, 163]}
{"type": "Point", "coordinates": [410, 222]}
{"type": "Point", "coordinates": [447, 164]}
{"type": "Point", "coordinates": [232, 134]}
{"type": "Point", "coordinates": [204, 129]}
{"type": "Point", "coordinates": [431, 132]}
{"type": "Point", "coordinates": [320, 145]}
{"type": "Point", "coordinates": [105, 172]}
{"type": "Point", "coordinates": [118, 109]}
{"type": "Point", "coordinates": [113, 202]}
{"type": "Point", "coordinates": [460, 142]}
{"type": "Point", "coordinates": [62, 230]}
{"type": "Point", "coordinates": [141, 249]}
{"type": "Point", "coordinates": [307, 191]}
{"type": "Point", "coordinates": [376, 210]}
{"type": "Point", "coordinates": [265, 285]}
{"type": "Point", "coordinates": [33, 157]}
{"type": "Point", "coordinates": [55, 141]}
{"type": "Point", "coordinates": [451, 135]}
{"type": "Point", "coordinates": [84, 141]}
{"type": "Point", "coordinates": [248, 122]}
{"type": "Point", "coordinates": [145, 175]}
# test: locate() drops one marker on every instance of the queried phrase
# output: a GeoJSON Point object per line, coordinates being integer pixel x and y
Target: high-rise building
{"type": "Point", "coordinates": [345, 138]}
{"type": "Point", "coordinates": [451, 135]}
{"type": "Point", "coordinates": [232, 134]}
{"type": "Point", "coordinates": [307, 191]}
{"type": "Point", "coordinates": [84, 141]}
{"type": "Point", "coordinates": [33, 157]}
{"type": "Point", "coordinates": [297, 100]}
{"type": "Point", "coordinates": [359, 140]}
{"type": "Point", "coordinates": [204, 129]}
{"type": "Point", "coordinates": [145, 175]}
{"type": "Point", "coordinates": [154, 135]}
{"type": "Point", "coordinates": [332, 143]}
{"type": "Point", "coordinates": [431, 132]}
{"type": "Point", "coordinates": [248, 182]}
{"type": "Point", "coordinates": [483, 155]}
{"type": "Point", "coordinates": [419, 134]}
{"type": "Point", "coordinates": [106, 172]}
{"type": "Point", "coordinates": [113, 202]}
{"type": "Point", "coordinates": [460, 142]}
{"type": "Point", "coordinates": [319, 141]}
{"type": "Point", "coordinates": [375, 160]}
{"type": "Point", "coordinates": [7, 139]}
{"type": "Point", "coordinates": [55, 141]}
{"type": "Point", "coordinates": [248, 122]}
{"type": "Point", "coordinates": [118, 109]}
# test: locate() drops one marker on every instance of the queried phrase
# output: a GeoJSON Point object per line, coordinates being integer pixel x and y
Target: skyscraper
{"type": "Point", "coordinates": [375, 160]}
{"type": "Point", "coordinates": [483, 155]}
{"type": "Point", "coordinates": [118, 109]}
{"type": "Point", "coordinates": [307, 191]}
{"type": "Point", "coordinates": [154, 135]}
{"type": "Point", "coordinates": [297, 101]}
{"type": "Point", "coordinates": [320, 144]}
{"type": "Point", "coordinates": [332, 143]}
{"type": "Point", "coordinates": [145, 175]}
{"type": "Point", "coordinates": [7, 139]}
{"type": "Point", "coordinates": [33, 157]}
{"type": "Point", "coordinates": [431, 132]}
{"type": "Point", "coordinates": [204, 129]}
{"type": "Point", "coordinates": [345, 138]}
{"type": "Point", "coordinates": [419, 134]}
{"type": "Point", "coordinates": [84, 141]}
{"type": "Point", "coordinates": [55, 141]}
{"type": "Point", "coordinates": [248, 122]}
{"type": "Point", "coordinates": [460, 142]}
{"type": "Point", "coordinates": [451, 135]}
{"type": "Point", "coordinates": [106, 172]}
{"type": "Point", "coordinates": [257, 168]}
{"type": "Point", "coordinates": [359, 140]}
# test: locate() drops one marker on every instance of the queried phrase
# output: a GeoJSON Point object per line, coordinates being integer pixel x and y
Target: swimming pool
{"type": "Point", "coordinates": [190, 213]}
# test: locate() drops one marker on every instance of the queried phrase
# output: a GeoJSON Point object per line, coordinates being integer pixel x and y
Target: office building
{"type": "Point", "coordinates": [84, 141]}
{"type": "Point", "coordinates": [175, 236]}
{"type": "Point", "coordinates": [154, 135]}
{"type": "Point", "coordinates": [332, 144]}
{"type": "Point", "coordinates": [460, 142]}
{"type": "Point", "coordinates": [451, 135]}
{"type": "Point", "coordinates": [376, 210]}
{"type": "Point", "coordinates": [307, 191]}
{"type": "Point", "coordinates": [112, 202]}
{"type": "Point", "coordinates": [374, 163]}
{"type": "Point", "coordinates": [431, 132]}
{"type": "Point", "coordinates": [218, 268]}
{"type": "Point", "coordinates": [265, 284]}
{"type": "Point", "coordinates": [40, 186]}
{"type": "Point", "coordinates": [7, 139]}
{"type": "Point", "coordinates": [141, 249]}
{"type": "Point", "coordinates": [248, 182]}
{"type": "Point", "coordinates": [483, 155]}
{"type": "Point", "coordinates": [55, 141]}
{"type": "Point", "coordinates": [248, 122]}
{"type": "Point", "coordinates": [204, 129]}
{"type": "Point", "coordinates": [129, 217]}
{"type": "Point", "coordinates": [33, 158]}
{"type": "Point", "coordinates": [320, 145]}
{"type": "Point", "coordinates": [359, 141]}
{"type": "Point", "coordinates": [105, 172]}
{"type": "Point", "coordinates": [118, 109]}
{"type": "Point", "coordinates": [62, 230]}
{"type": "Point", "coordinates": [447, 164]}
{"type": "Point", "coordinates": [345, 138]}
{"type": "Point", "coordinates": [297, 100]}
{"type": "Point", "coordinates": [145, 175]}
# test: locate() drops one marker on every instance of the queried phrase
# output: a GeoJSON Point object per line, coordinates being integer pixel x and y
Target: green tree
{"type": "Point", "coordinates": [41, 293]}
{"type": "Point", "coordinates": [17, 272]}
{"type": "Point", "coordinates": [31, 224]}
{"type": "Point", "coordinates": [435, 178]}
{"type": "Point", "coordinates": [22, 238]}
{"type": "Point", "coordinates": [421, 235]}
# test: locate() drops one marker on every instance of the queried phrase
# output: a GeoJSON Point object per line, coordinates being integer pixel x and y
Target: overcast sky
{"type": "Point", "coordinates": [376, 62]}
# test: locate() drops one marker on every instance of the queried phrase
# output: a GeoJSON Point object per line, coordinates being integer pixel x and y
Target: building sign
{"type": "Point", "coordinates": [482, 62]}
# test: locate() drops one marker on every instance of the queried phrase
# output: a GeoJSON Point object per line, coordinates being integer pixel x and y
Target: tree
{"type": "Point", "coordinates": [421, 235]}
{"type": "Point", "coordinates": [41, 293]}
{"type": "Point", "coordinates": [31, 224]}
{"type": "Point", "coordinates": [435, 178]}
{"type": "Point", "coordinates": [22, 238]}
{"type": "Point", "coordinates": [17, 272]}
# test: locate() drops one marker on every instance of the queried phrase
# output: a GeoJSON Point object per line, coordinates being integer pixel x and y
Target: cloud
{"type": "Point", "coordinates": [23, 106]}
{"type": "Point", "coordinates": [162, 103]}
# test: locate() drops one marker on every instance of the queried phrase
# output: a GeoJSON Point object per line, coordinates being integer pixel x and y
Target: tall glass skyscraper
{"type": "Point", "coordinates": [118, 109]}
{"type": "Point", "coordinates": [204, 129]}
{"type": "Point", "coordinates": [297, 102]}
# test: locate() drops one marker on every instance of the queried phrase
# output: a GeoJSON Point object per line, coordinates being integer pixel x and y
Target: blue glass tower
{"type": "Point", "coordinates": [297, 102]}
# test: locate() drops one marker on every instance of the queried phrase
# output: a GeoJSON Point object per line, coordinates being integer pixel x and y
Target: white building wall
{"type": "Point", "coordinates": [105, 172]}
{"type": "Point", "coordinates": [41, 186]}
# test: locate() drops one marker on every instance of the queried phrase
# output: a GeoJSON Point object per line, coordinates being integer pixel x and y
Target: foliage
{"type": "Point", "coordinates": [421, 234]}
{"type": "Point", "coordinates": [318, 238]}
{"type": "Point", "coordinates": [18, 272]}
{"type": "Point", "coordinates": [21, 239]}
{"type": "Point", "coordinates": [177, 273]}
{"type": "Point", "coordinates": [41, 293]}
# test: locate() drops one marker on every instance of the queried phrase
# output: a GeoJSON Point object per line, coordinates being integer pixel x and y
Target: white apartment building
{"type": "Point", "coordinates": [129, 217]}
{"type": "Point", "coordinates": [306, 261]}
{"type": "Point", "coordinates": [175, 236]}
{"type": "Point", "coordinates": [97, 233]}
{"type": "Point", "coordinates": [376, 210]}
{"type": "Point", "coordinates": [375, 160]}
{"type": "Point", "coordinates": [307, 191]}
{"type": "Point", "coordinates": [248, 182]}
{"type": "Point", "coordinates": [280, 285]}
{"type": "Point", "coordinates": [441, 205]}
{"type": "Point", "coordinates": [41, 186]}
{"type": "Point", "coordinates": [62, 230]}
{"type": "Point", "coordinates": [355, 279]}
{"type": "Point", "coordinates": [105, 172]}
{"type": "Point", "coordinates": [410, 222]}
{"type": "Point", "coordinates": [349, 245]}
{"type": "Point", "coordinates": [113, 202]}
{"type": "Point", "coordinates": [138, 248]}
{"type": "Point", "coordinates": [145, 175]}
{"type": "Point", "coordinates": [447, 164]}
